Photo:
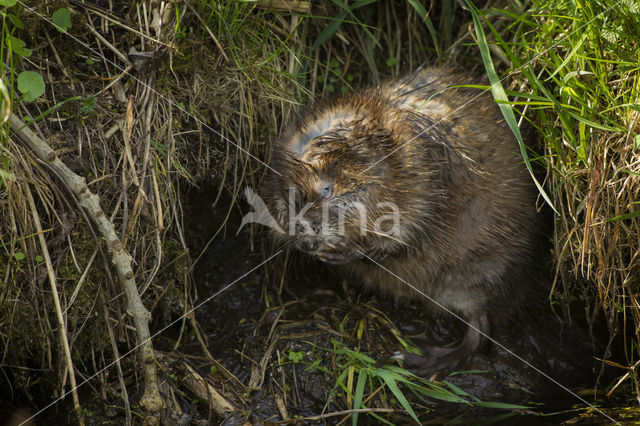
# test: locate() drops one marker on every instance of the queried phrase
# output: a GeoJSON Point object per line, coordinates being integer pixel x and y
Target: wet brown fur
{"type": "Point", "coordinates": [447, 159]}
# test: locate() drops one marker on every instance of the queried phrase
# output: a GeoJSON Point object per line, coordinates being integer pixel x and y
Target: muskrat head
{"type": "Point", "coordinates": [331, 188]}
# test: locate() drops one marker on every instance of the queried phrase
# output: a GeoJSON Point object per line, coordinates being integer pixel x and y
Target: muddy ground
{"type": "Point", "coordinates": [313, 306]}
{"type": "Point", "coordinates": [280, 334]}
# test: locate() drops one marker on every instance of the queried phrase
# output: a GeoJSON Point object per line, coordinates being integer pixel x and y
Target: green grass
{"type": "Point", "coordinates": [358, 378]}
{"type": "Point", "coordinates": [576, 66]}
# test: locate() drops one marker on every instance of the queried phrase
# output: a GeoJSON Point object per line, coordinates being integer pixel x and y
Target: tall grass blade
{"type": "Point", "coordinates": [569, 56]}
{"type": "Point", "coordinates": [358, 394]}
{"type": "Point", "coordinates": [393, 387]}
{"type": "Point", "coordinates": [422, 13]}
{"type": "Point", "coordinates": [335, 24]}
{"type": "Point", "coordinates": [498, 93]}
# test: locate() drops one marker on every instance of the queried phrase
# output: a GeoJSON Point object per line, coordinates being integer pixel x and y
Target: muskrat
{"type": "Point", "coordinates": [417, 181]}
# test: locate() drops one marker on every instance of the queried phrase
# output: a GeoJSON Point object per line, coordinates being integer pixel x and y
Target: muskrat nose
{"type": "Point", "coordinates": [307, 244]}
{"type": "Point", "coordinates": [304, 227]}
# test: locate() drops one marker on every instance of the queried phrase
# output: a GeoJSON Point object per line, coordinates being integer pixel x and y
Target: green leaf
{"type": "Point", "coordinates": [392, 61]}
{"type": "Point", "coordinates": [8, 3]}
{"type": "Point", "coordinates": [88, 105]}
{"type": "Point", "coordinates": [340, 380]}
{"type": "Point", "coordinates": [333, 26]}
{"type": "Point", "coordinates": [439, 393]}
{"type": "Point", "coordinates": [501, 405]}
{"type": "Point", "coordinates": [394, 369]}
{"type": "Point", "coordinates": [358, 394]}
{"type": "Point", "coordinates": [422, 13]}
{"type": "Point", "coordinates": [5, 176]}
{"type": "Point", "coordinates": [455, 373]}
{"type": "Point", "coordinates": [456, 389]}
{"type": "Point", "coordinates": [569, 56]}
{"type": "Point", "coordinates": [382, 420]}
{"type": "Point", "coordinates": [296, 357]}
{"type": "Point", "coordinates": [15, 21]}
{"type": "Point", "coordinates": [31, 84]}
{"type": "Point", "coordinates": [61, 19]}
{"type": "Point", "coordinates": [20, 255]}
{"type": "Point", "coordinates": [492, 11]}
{"type": "Point", "coordinates": [595, 125]}
{"type": "Point", "coordinates": [499, 94]}
{"type": "Point", "coordinates": [636, 142]}
{"type": "Point", "coordinates": [213, 369]}
{"type": "Point", "coordinates": [329, 30]}
{"type": "Point", "coordinates": [39, 258]}
{"type": "Point", "coordinates": [632, 5]}
{"type": "Point", "coordinates": [51, 109]}
{"type": "Point", "coordinates": [393, 387]}
{"type": "Point", "coordinates": [624, 216]}
{"type": "Point", "coordinates": [363, 358]}
{"type": "Point", "coordinates": [18, 46]}
{"type": "Point", "coordinates": [316, 365]}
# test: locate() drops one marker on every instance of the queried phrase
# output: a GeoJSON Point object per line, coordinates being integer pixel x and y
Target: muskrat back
{"type": "Point", "coordinates": [416, 187]}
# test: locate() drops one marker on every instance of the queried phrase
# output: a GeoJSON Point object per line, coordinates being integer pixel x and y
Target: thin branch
{"type": "Point", "coordinates": [90, 202]}
{"type": "Point", "coordinates": [116, 354]}
{"type": "Point", "coordinates": [56, 301]}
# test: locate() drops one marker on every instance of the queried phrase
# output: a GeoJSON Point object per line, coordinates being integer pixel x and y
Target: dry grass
{"type": "Point", "coordinates": [217, 82]}
{"type": "Point", "coordinates": [195, 108]}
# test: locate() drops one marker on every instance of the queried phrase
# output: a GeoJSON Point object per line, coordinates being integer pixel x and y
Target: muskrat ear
{"type": "Point", "coordinates": [327, 190]}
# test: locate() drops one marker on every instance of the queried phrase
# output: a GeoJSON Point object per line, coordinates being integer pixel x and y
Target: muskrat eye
{"type": "Point", "coordinates": [327, 190]}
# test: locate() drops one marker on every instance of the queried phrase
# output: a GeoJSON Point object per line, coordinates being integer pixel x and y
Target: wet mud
{"type": "Point", "coordinates": [277, 322]}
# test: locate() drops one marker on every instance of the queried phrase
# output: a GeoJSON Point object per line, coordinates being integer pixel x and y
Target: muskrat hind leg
{"type": "Point", "coordinates": [441, 359]}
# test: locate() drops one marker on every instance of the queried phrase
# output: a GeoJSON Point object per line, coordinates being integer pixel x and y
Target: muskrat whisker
{"type": "Point", "coordinates": [386, 235]}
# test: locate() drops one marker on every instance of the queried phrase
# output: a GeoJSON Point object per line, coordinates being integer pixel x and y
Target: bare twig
{"type": "Point", "coordinates": [118, 21]}
{"type": "Point", "coordinates": [116, 354]}
{"type": "Point", "coordinates": [151, 400]}
{"type": "Point", "coordinates": [292, 6]}
{"type": "Point", "coordinates": [206, 27]}
{"type": "Point", "coordinates": [205, 393]}
{"type": "Point", "coordinates": [341, 413]}
{"type": "Point", "coordinates": [56, 302]}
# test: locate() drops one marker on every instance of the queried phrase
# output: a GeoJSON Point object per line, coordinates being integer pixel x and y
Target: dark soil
{"type": "Point", "coordinates": [262, 322]}
{"type": "Point", "coordinates": [316, 306]}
